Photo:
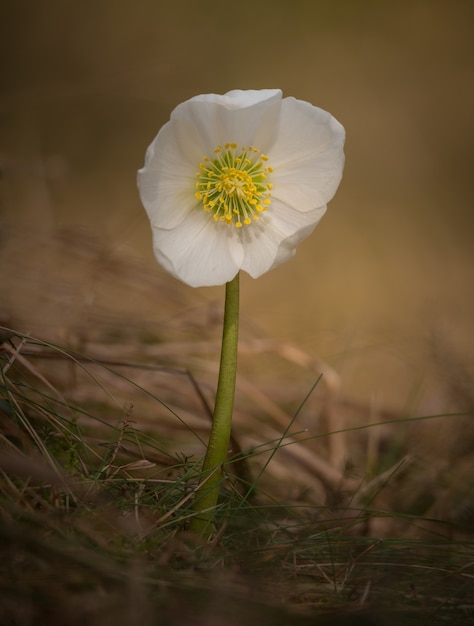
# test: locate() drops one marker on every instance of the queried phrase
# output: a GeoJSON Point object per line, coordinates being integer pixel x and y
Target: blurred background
{"type": "Point", "coordinates": [382, 290]}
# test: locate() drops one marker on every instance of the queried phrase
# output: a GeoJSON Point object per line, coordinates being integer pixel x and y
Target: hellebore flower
{"type": "Point", "coordinates": [234, 182]}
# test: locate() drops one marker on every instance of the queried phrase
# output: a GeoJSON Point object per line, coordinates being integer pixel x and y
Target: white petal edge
{"type": "Point", "coordinates": [273, 239]}
{"type": "Point", "coordinates": [244, 118]}
{"type": "Point", "coordinates": [307, 156]}
{"type": "Point", "coordinates": [199, 252]}
{"type": "Point", "coordinates": [239, 98]}
{"type": "Point", "coordinates": [166, 182]}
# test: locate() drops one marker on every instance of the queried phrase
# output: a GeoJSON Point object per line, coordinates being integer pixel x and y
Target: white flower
{"type": "Point", "coordinates": [234, 182]}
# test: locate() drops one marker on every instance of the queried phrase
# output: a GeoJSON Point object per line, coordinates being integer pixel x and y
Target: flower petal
{"type": "Point", "coordinates": [273, 239]}
{"type": "Point", "coordinates": [199, 252]}
{"type": "Point", "coordinates": [245, 117]}
{"type": "Point", "coordinates": [307, 156]}
{"type": "Point", "coordinates": [167, 181]}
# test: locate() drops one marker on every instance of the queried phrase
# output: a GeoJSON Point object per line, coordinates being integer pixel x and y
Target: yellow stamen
{"type": "Point", "coordinates": [233, 185]}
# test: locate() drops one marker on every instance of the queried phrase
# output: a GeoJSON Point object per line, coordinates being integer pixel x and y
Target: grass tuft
{"type": "Point", "coordinates": [99, 463]}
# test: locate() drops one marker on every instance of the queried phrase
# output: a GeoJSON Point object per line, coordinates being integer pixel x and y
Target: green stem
{"type": "Point", "coordinates": [212, 470]}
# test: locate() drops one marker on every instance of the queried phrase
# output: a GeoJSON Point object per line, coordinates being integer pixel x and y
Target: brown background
{"type": "Point", "coordinates": [382, 289]}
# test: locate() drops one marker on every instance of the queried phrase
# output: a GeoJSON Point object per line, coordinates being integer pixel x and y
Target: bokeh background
{"type": "Point", "coordinates": [382, 290]}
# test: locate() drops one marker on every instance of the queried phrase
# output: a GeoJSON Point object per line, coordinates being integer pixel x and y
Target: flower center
{"type": "Point", "coordinates": [233, 185]}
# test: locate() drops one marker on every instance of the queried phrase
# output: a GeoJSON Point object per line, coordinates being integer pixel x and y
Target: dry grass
{"type": "Point", "coordinates": [329, 508]}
